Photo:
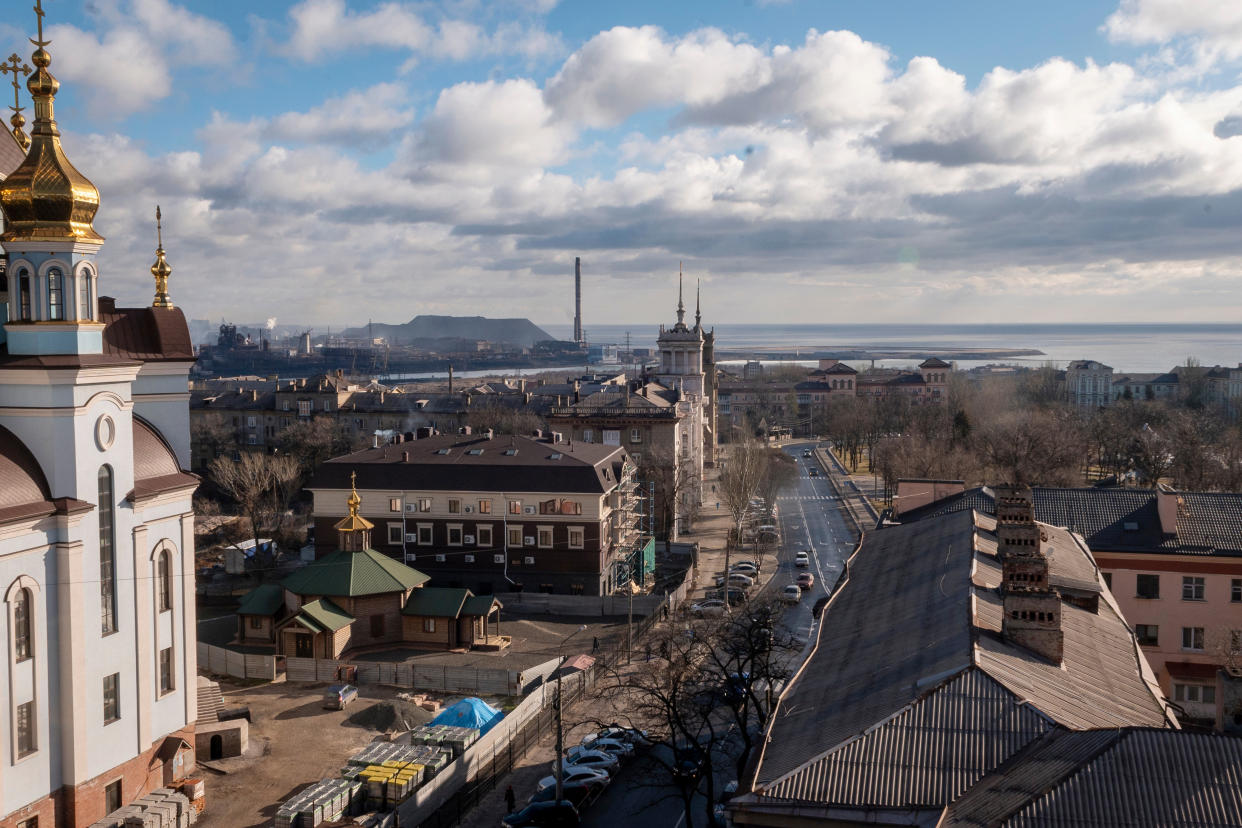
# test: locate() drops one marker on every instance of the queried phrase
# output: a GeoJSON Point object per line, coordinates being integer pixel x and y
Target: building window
{"type": "Point", "coordinates": [377, 626]}
{"type": "Point", "coordinates": [1192, 588]}
{"type": "Point", "coordinates": [284, 405]}
{"type": "Point", "coordinates": [515, 535]}
{"type": "Point", "coordinates": [424, 534]}
{"type": "Point", "coordinates": [256, 622]}
{"type": "Point", "coordinates": [26, 742]}
{"type": "Point", "coordinates": [33, 822]}
{"type": "Point", "coordinates": [1108, 580]}
{"type": "Point", "coordinates": [327, 405]}
{"type": "Point", "coordinates": [107, 552]}
{"type": "Point", "coordinates": [545, 537]}
{"type": "Point", "coordinates": [250, 422]}
{"type": "Point", "coordinates": [424, 504]}
{"type": "Point", "coordinates": [454, 534]}
{"type": "Point", "coordinates": [21, 625]}
{"type": "Point", "coordinates": [396, 534]}
{"type": "Point", "coordinates": [483, 534]}
{"type": "Point", "coordinates": [429, 625]}
{"type": "Point", "coordinates": [575, 537]}
{"type": "Point", "coordinates": [23, 295]}
{"type": "Point", "coordinates": [454, 506]}
{"type": "Point", "coordinates": [1235, 590]}
{"type": "Point", "coordinates": [112, 797]}
{"type": "Point", "coordinates": [394, 504]}
{"type": "Point", "coordinates": [86, 308]}
{"type": "Point", "coordinates": [1147, 634]}
{"type": "Point", "coordinates": [636, 435]}
{"type": "Point", "coordinates": [163, 578]}
{"type": "Point", "coordinates": [304, 408]}
{"type": "Point", "coordinates": [1192, 638]}
{"type": "Point", "coordinates": [55, 294]}
{"type": "Point", "coordinates": [485, 507]}
{"type": "Point", "coordinates": [1194, 693]}
{"type": "Point", "coordinates": [166, 670]}
{"type": "Point", "coordinates": [112, 698]}
{"type": "Point", "coordinates": [587, 435]}
{"type": "Point", "coordinates": [1147, 586]}
{"type": "Point", "coordinates": [515, 507]}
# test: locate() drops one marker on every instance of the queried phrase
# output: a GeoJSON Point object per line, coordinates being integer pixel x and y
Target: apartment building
{"type": "Point", "coordinates": [1088, 384]}
{"type": "Point", "coordinates": [494, 514]}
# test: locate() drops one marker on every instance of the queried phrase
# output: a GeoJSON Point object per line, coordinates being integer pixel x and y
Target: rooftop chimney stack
{"type": "Point", "coordinates": [578, 340]}
{"type": "Point", "coordinates": [1032, 607]}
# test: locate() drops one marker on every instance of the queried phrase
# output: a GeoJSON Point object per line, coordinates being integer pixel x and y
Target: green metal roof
{"type": "Point", "coordinates": [326, 614]}
{"type": "Point", "coordinates": [479, 605]}
{"type": "Point", "coordinates": [264, 599]}
{"type": "Point", "coordinates": [440, 602]}
{"type": "Point", "coordinates": [353, 574]}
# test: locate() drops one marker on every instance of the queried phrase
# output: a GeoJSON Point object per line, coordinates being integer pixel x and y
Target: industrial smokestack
{"type": "Point", "coordinates": [578, 300]}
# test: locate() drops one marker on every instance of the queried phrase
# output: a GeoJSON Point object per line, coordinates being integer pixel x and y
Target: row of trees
{"type": "Point", "coordinates": [1021, 430]}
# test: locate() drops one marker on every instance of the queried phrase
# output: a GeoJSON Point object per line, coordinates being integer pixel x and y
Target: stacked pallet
{"type": "Point", "coordinates": [390, 783]}
{"type": "Point", "coordinates": [162, 808]}
{"type": "Point", "coordinates": [326, 801]}
{"type": "Point", "coordinates": [456, 739]}
{"type": "Point", "coordinates": [433, 759]}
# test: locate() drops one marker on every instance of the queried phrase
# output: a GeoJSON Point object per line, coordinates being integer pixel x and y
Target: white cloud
{"type": "Point", "coordinates": [1213, 26]}
{"type": "Point", "coordinates": [368, 117]}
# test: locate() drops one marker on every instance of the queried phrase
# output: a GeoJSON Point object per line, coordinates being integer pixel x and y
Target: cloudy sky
{"type": "Point", "coordinates": [330, 161]}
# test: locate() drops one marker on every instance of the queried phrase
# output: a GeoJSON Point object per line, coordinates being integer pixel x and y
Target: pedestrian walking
{"type": "Point", "coordinates": [666, 612]}
{"type": "Point", "coordinates": [510, 799]}
{"type": "Point", "coordinates": [594, 643]}
{"type": "Point", "coordinates": [648, 652]}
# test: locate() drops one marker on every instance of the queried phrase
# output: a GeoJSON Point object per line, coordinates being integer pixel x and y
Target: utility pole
{"type": "Point", "coordinates": [560, 736]}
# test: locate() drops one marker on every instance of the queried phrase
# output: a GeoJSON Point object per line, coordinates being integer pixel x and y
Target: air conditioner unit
{"type": "Point", "coordinates": [439, 559]}
{"type": "Point", "coordinates": [411, 507]}
{"type": "Point", "coordinates": [528, 561]}
{"type": "Point", "coordinates": [528, 510]}
{"type": "Point", "coordinates": [528, 541]}
{"type": "Point", "coordinates": [468, 540]}
{"type": "Point", "coordinates": [410, 557]}
{"type": "Point", "coordinates": [411, 537]}
{"type": "Point", "coordinates": [468, 509]}
{"type": "Point", "coordinates": [468, 558]}
{"type": "Point", "coordinates": [498, 559]}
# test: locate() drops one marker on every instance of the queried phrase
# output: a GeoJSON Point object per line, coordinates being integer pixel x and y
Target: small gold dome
{"type": "Point", "coordinates": [161, 269]}
{"type": "Point", "coordinates": [46, 198]}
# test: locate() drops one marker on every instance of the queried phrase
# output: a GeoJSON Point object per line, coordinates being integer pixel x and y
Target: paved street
{"type": "Point", "coordinates": [810, 518]}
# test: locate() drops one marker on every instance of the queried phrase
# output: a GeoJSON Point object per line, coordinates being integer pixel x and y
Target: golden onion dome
{"type": "Point", "coordinates": [46, 198]}
{"type": "Point", "coordinates": [161, 269]}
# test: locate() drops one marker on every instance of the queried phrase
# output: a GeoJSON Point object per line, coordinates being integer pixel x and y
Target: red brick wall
{"type": "Point", "coordinates": [82, 805]}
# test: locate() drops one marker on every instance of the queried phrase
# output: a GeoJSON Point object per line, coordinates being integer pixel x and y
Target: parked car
{"type": "Point", "coordinates": [711, 608]}
{"type": "Point", "coordinates": [631, 735]}
{"type": "Point", "coordinates": [747, 562]}
{"type": "Point", "coordinates": [802, 559]}
{"type": "Point", "coordinates": [806, 580]}
{"type": "Point", "coordinates": [575, 775]}
{"type": "Point", "coordinates": [580, 794]}
{"type": "Point", "coordinates": [791, 594]}
{"type": "Point", "coordinates": [547, 814]}
{"type": "Point", "coordinates": [338, 696]}
{"type": "Point", "coordinates": [579, 757]}
{"type": "Point", "coordinates": [613, 747]}
{"type": "Point", "coordinates": [745, 569]}
{"type": "Point", "coordinates": [735, 579]}
{"type": "Point", "coordinates": [736, 597]}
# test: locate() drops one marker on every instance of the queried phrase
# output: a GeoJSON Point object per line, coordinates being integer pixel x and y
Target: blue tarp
{"type": "Point", "coordinates": [469, 713]}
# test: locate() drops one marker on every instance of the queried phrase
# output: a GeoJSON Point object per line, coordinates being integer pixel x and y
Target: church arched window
{"type": "Point", "coordinates": [55, 293]}
{"type": "Point", "coordinates": [23, 295]}
{"type": "Point", "coordinates": [107, 551]}
{"type": "Point", "coordinates": [86, 307]}
{"type": "Point", "coordinates": [163, 577]}
{"type": "Point", "coordinates": [21, 625]}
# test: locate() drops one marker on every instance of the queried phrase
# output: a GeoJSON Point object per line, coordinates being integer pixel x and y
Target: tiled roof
{"type": "Point", "coordinates": [23, 486]}
{"type": "Point", "coordinates": [912, 694]}
{"type": "Point", "coordinates": [264, 599]}
{"type": "Point", "coordinates": [1101, 779]}
{"type": "Point", "coordinates": [535, 466]}
{"type": "Point", "coordinates": [1121, 520]}
{"type": "Point", "coordinates": [354, 574]}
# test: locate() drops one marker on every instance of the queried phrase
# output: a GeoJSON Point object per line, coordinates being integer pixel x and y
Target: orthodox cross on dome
{"type": "Point", "coordinates": [39, 12]}
{"type": "Point", "coordinates": [354, 530]}
{"type": "Point", "coordinates": [698, 293]}
{"type": "Point", "coordinates": [14, 66]}
{"type": "Point", "coordinates": [161, 269]}
{"type": "Point", "coordinates": [681, 308]}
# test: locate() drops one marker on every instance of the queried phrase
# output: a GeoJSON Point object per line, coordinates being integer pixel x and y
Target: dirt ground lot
{"type": "Point", "coordinates": [294, 742]}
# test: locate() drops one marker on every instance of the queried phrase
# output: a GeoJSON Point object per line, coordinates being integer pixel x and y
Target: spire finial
{"type": "Point", "coordinates": [698, 292]}
{"type": "Point", "coordinates": [354, 501]}
{"type": "Point", "coordinates": [14, 66]}
{"type": "Point", "coordinates": [39, 12]}
{"type": "Point", "coordinates": [161, 269]}
{"type": "Point", "coordinates": [681, 308]}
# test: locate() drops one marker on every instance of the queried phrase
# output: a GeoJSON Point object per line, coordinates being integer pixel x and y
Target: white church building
{"type": "Point", "coordinates": [96, 524]}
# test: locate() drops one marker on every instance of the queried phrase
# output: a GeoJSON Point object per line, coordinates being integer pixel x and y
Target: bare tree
{"type": "Point", "coordinates": [671, 476]}
{"type": "Point", "coordinates": [262, 485]}
{"type": "Point", "coordinates": [741, 474]}
{"type": "Point", "coordinates": [313, 440]}
{"type": "Point", "coordinates": [485, 413]}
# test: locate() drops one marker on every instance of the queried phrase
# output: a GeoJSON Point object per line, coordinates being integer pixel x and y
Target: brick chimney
{"type": "Point", "coordinates": [1167, 503]}
{"type": "Point", "coordinates": [1032, 608]}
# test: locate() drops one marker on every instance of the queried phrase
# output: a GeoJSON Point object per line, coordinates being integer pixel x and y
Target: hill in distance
{"type": "Point", "coordinates": [521, 332]}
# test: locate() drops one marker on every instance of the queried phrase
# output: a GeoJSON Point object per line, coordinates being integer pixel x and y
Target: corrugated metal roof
{"type": "Point", "coordinates": [326, 614]}
{"type": "Point", "coordinates": [1145, 777]}
{"type": "Point", "coordinates": [353, 574]}
{"type": "Point", "coordinates": [264, 599]}
{"type": "Point", "coordinates": [927, 755]}
{"type": "Point", "coordinates": [438, 602]}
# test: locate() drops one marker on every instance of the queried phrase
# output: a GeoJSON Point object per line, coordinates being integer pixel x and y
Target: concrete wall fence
{"type": "Point", "coordinates": [223, 662]}
{"type": "Point", "coordinates": [439, 678]}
